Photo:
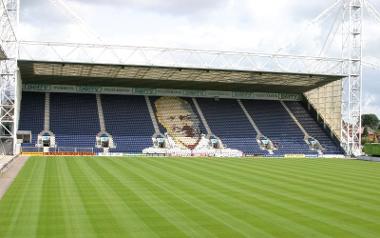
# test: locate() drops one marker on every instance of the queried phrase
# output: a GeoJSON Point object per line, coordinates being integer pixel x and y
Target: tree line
{"type": "Point", "coordinates": [371, 128]}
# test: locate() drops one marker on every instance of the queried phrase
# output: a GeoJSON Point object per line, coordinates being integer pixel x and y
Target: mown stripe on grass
{"type": "Point", "coordinates": [226, 226]}
{"type": "Point", "coordinates": [278, 214]}
{"type": "Point", "coordinates": [342, 168]}
{"type": "Point", "coordinates": [287, 181]}
{"type": "Point", "coordinates": [299, 177]}
{"type": "Point", "coordinates": [192, 197]}
{"type": "Point", "coordinates": [332, 191]}
{"type": "Point", "coordinates": [77, 222]}
{"type": "Point", "coordinates": [296, 199]}
{"type": "Point", "coordinates": [134, 218]}
{"type": "Point", "coordinates": [154, 220]}
{"type": "Point", "coordinates": [19, 208]}
{"type": "Point", "coordinates": [97, 202]}
{"type": "Point", "coordinates": [249, 213]}
{"type": "Point", "coordinates": [315, 170]}
{"type": "Point", "coordinates": [154, 198]}
{"type": "Point", "coordinates": [51, 219]}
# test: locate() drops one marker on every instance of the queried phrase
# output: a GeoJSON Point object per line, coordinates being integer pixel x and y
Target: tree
{"type": "Point", "coordinates": [365, 132]}
{"type": "Point", "coordinates": [370, 120]}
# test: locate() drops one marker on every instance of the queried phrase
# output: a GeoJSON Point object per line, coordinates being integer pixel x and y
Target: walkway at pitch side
{"type": "Point", "coordinates": [370, 158]}
{"type": "Point", "coordinates": [11, 172]}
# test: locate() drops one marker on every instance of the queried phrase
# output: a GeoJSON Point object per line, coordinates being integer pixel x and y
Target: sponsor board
{"type": "Point", "coordinates": [160, 92]}
{"type": "Point", "coordinates": [111, 154]}
{"type": "Point", "coordinates": [333, 156]}
{"type": "Point", "coordinates": [32, 153]}
{"type": "Point", "coordinates": [69, 154]}
{"type": "Point", "coordinates": [312, 156]}
{"type": "Point", "coordinates": [295, 156]}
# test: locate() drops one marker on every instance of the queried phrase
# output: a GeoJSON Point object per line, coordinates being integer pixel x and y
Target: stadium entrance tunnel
{"type": "Point", "coordinates": [159, 141]}
{"type": "Point", "coordinates": [46, 140]}
{"type": "Point", "coordinates": [266, 144]}
{"type": "Point", "coordinates": [215, 142]}
{"type": "Point", "coordinates": [104, 140]}
{"type": "Point", "coordinates": [314, 144]}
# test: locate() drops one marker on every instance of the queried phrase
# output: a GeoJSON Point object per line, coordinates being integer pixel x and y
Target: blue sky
{"type": "Point", "coordinates": [240, 25]}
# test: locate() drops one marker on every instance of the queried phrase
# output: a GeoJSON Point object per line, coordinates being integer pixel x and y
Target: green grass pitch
{"type": "Point", "coordinates": [158, 197]}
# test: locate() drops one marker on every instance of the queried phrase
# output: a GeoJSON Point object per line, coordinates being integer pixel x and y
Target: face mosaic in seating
{"type": "Point", "coordinates": [180, 121]}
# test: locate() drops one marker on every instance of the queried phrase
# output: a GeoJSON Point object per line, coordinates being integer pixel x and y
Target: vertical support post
{"type": "Point", "coordinates": [9, 98]}
{"type": "Point", "coordinates": [352, 85]}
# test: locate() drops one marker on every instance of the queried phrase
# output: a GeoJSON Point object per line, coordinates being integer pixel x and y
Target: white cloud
{"type": "Point", "coordinates": [243, 25]}
{"type": "Point", "coordinates": [371, 104]}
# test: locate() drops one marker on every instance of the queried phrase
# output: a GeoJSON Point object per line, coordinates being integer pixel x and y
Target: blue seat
{"type": "Point", "coordinates": [313, 128]}
{"type": "Point", "coordinates": [74, 119]}
{"type": "Point", "coordinates": [275, 122]}
{"type": "Point", "coordinates": [32, 114]}
{"type": "Point", "coordinates": [127, 119]}
{"type": "Point", "coordinates": [227, 120]}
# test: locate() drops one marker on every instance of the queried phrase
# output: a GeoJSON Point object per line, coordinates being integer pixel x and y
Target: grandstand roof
{"type": "Point", "coordinates": [39, 72]}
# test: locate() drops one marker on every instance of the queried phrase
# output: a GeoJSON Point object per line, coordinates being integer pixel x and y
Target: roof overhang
{"type": "Point", "coordinates": [40, 72]}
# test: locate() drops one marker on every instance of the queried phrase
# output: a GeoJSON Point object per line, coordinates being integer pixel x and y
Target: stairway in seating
{"type": "Point", "coordinates": [258, 132]}
{"type": "Point", "coordinates": [314, 128]}
{"type": "Point", "coordinates": [32, 114]}
{"type": "Point", "coordinates": [152, 115]}
{"type": "Point", "coordinates": [275, 122]}
{"type": "Point", "coordinates": [102, 124]}
{"type": "Point", "coordinates": [74, 119]}
{"type": "Point", "coordinates": [128, 121]}
{"type": "Point", "coordinates": [227, 120]}
{"type": "Point", "coordinates": [201, 116]}
{"type": "Point", "coordinates": [295, 120]}
{"type": "Point", "coordinates": [47, 112]}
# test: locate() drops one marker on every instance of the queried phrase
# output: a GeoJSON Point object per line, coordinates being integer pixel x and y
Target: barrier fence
{"type": "Point", "coordinates": [58, 151]}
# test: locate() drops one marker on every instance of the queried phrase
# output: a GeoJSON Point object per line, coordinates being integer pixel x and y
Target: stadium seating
{"type": "Point", "coordinates": [75, 123]}
{"type": "Point", "coordinates": [32, 114]}
{"type": "Point", "coordinates": [275, 123]}
{"type": "Point", "coordinates": [228, 121]}
{"type": "Point", "coordinates": [127, 120]}
{"type": "Point", "coordinates": [74, 119]}
{"type": "Point", "coordinates": [313, 128]}
{"type": "Point", "coordinates": [202, 127]}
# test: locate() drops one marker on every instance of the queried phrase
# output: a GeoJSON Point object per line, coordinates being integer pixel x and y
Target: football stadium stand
{"type": "Point", "coordinates": [127, 120]}
{"type": "Point", "coordinates": [74, 121]}
{"type": "Point", "coordinates": [228, 122]}
{"type": "Point", "coordinates": [32, 114]}
{"type": "Point", "coordinates": [274, 122]}
{"type": "Point", "coordinates": [313, 128]}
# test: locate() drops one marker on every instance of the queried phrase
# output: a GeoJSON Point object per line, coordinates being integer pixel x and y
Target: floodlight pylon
{"type": "Point", "coordinates": [352, 84]}
{"type": "Point", "coordinates": [9, 95]}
